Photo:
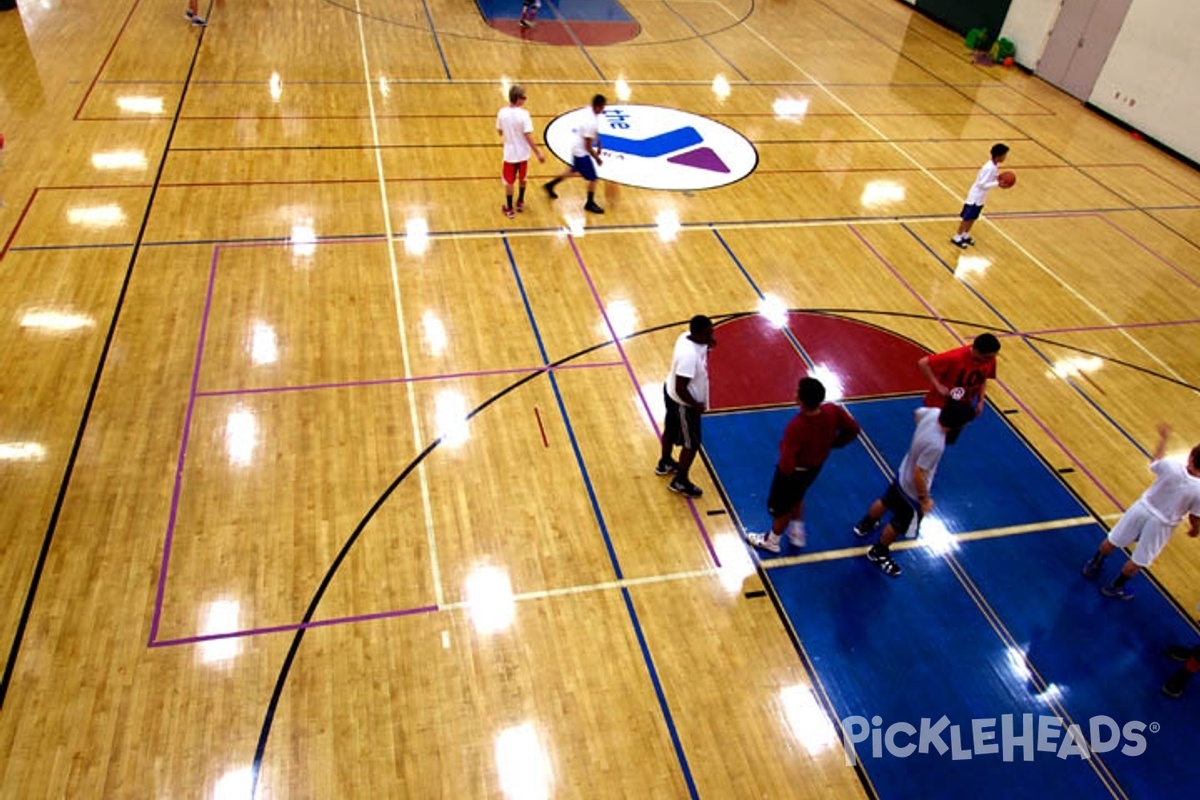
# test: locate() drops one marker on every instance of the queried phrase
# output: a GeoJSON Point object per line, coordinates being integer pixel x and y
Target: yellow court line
{"type": "Point", "coordinates": [912, 544]}
{"type": "Point", "coordinates": [393, 262]}
{"type": "Point", "coordinates": [807, 558]}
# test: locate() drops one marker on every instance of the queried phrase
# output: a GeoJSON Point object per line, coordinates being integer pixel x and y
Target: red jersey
{"type": "Point", "coordinates": [957, 368]}
{"type": "Point", "coordinates": [808, 438]}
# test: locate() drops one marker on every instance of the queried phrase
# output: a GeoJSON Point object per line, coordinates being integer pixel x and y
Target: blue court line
{"type": "Point", "coordinates": [612, 555]}
{"type": "Point", "coordinates": [436, 41]}
{"type": "Point", "coordinates": [1013, 329]}
{"type": "Point", "coordinates": [704, 38]}
{"type": "Point", "coordinates": [566, 23]}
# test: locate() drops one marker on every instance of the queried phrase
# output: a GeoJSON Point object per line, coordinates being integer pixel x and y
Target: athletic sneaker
{"type": "Point", "coordinates": [592, 207]}
{"type": "Point", "coordinates": [520, 206]}
{"type": "Point", "coordinates": [1091, 569]}
{"type": "Point", "coordinates": [550, 190]}
{"type": "Point", "coordinates": [685, 487]}
{"type": "Point", "coordinates": [666, 466]}
{"type": "Point", "coordinates": [1179, 652]}
{"type": "Point", "coordinates": [764, 541]}
{"type": "Point", "coordinates": [508, 212]}
{"type": "Point", "coordinates": [196, 19]}
{"type": "Point", "coordinates": [1116, 592]}
{"type": "Point", "coordinates": [969, 240]}
{"type": "Point", "coordinates": [960, 243]}
{"type": "Point", "coordinates": [884, 561]}
{"type": "Point", "coordinates": [861, 528]}
{"type": "Point", "coordinates": [1176, 684]}
{"type": "Point", "coordinates": [525, 23]}
{"type": "Point", "coordinates": [797, 535]}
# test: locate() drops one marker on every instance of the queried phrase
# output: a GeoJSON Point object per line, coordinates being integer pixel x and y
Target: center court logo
{"type": "Point", "coordinates": [652, 147]}
{"type": "Point", "coordinates": [983, 737]}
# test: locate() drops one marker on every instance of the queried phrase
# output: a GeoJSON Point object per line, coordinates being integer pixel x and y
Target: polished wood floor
{"type": "Point", "coordinates": [249, 542]}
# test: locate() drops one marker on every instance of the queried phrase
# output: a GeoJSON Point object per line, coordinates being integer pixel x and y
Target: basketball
{"type": "Point", "coordinates": [1006, 179]}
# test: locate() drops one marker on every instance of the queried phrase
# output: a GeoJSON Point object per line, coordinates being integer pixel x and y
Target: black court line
{"type": "Point", "coordinates": [35, 579]}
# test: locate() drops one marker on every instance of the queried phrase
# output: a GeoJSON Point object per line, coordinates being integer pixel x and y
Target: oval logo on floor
{"type": "Point", "coordinates": [659, 148]}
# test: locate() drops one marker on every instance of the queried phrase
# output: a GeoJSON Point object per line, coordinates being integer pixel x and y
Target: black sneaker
{"type": "Point", "coordinates": [666, 466]}
{"type": "Point", "coordinates": [1179, 652]}
{"type": "Point", "coordinates": [883, 560]}
{"type": "Point", "coordinates": [1176, 683]}
{"type": "Point", "coordinates": [1116, 592]}
{"type": "Point", "coordinates": [960, 243]}
{"type": "Point", "coordinates": [685, 488]}
{"type": "Point", "coordinates": [862, 529]}
{"type": "Point", "coordinates": [969, 240]}
{"type": "Point", "coordinates": [592, 207]}
{"type": "Point", "coordinates": [549, 187]}
{"type": "Point", "coordinates": [1091, 569]}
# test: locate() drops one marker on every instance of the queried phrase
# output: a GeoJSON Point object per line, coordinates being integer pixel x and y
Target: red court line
{"type": "Point", "coordinates": [108, 56]}
{"type": "Point", "coordinates": [20, 219]}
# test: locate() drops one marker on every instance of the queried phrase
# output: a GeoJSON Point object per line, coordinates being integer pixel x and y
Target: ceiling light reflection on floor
{"type": "Point", "coordinates": [807, 721]}
{"type": "Point", "coordinates": [219, 617]}
{"type": "Point", "coordinates": [490, 599]}
{"type": "Point", "coordinates": [523, 764]}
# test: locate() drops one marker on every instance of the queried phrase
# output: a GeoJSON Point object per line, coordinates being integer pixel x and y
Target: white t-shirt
{"type": "Point", "coordinates": [589, 128]}
{"type": "Point", "coordinates": [984, 181]}
{"type": "Point", "coordinates": [1173, 494]}
{"type": "Point", "coordinates": [690, 361]}
{"type": "Point", "coordinates": [928, 444]}
{"type": "Point", "coordinates": [514, 122]}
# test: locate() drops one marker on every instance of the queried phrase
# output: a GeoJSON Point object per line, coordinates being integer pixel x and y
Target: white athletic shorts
{"type": "Point", "coordinates": [1140, 525]}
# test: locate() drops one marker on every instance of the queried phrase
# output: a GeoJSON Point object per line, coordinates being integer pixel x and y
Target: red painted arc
{"type": "Point", "coordinates": [755, 364]}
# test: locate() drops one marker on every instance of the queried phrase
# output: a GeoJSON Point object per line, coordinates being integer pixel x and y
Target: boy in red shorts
{"type": "Point", "coordinates": [514, 124]}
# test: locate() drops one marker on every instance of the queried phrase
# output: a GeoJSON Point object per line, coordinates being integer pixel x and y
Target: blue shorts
{"type": "Point", "coordinates": [971, 212]}
{"type": "Point", "coordinates": [585, 167]}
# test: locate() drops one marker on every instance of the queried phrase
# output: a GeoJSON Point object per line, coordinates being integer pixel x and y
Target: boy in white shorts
{"type": "Point", "coordinates": [1153, 518]}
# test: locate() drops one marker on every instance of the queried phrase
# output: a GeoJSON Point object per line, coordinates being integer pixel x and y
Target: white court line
{"type": "Point", "coordinates": [1037, 262]}
{"type": "Point", "coordinates": [912, 544]}
{"type": "Point", "coordinates": [391, 243]}
{"type": "Point", "coordinates": [774, 563]}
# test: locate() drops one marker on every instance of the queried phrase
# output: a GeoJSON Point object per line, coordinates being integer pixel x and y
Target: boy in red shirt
{"type": "Point", "coordinates": [807, 441]}
{"type": "Point", "coordinates": [967, 368]}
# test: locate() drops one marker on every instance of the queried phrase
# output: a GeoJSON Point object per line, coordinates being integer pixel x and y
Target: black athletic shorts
{"type": "Point", "coordinates": [788, 490]}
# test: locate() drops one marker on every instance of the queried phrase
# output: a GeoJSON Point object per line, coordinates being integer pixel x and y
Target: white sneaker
{"type": "Point", "coordinates": [797, 535]}
{"type": "Point", "coordinates": [764, 541]}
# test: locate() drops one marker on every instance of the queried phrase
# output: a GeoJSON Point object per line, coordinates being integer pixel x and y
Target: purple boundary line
{"type": "Point", "coordinates": [612, 332]}
{"type": "Point", "coordinates": [1086, 328]}
{"type": "Point", "coordinates": [1183, 273]}
{"type": "Point", "coordinates": [416, 379]}
{"type": "Point", "coordinates": [295, 626]}
{"type": "Point", "coordinates": [941, 321]}
{"type": "Point", "coordinates": [187, 427]}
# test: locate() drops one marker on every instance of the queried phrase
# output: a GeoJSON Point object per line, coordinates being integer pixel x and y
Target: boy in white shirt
{"type": "Point", "coordinates": [1152, 519]}
{"type": "Point", "coordinates": [585, 150]}
{"type": "Point", "coordinates": [985, 181]}
{"type": "Point", "coordinates": [514, 124]}
{"type": "Point", "coordinates": [909, 495]}
{"type": "Point", "coordinates": [685, 395]}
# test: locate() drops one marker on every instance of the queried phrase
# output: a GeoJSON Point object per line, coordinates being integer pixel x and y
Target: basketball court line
{"type": "Point", "coordinates": [637, 386]}
{"type": "Point", "coordinates": [413, 379]}
{"type": "Point", "coordinates": [1029, 412]}
{"type": "Point", "coordinates": [1028, 343]}
{"type": "Point", "coordinates": [912, 544]}
{"type": "Point", "coordinates": [732, 574]}
{"type": "Point", "coordinates": [1024, 251]}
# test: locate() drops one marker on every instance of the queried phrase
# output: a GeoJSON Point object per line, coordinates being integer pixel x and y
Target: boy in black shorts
{"type": "Point", "coordinates": [807, 441]}
{"type": "Point", "coordinates": [908, 496]}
